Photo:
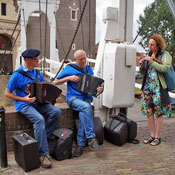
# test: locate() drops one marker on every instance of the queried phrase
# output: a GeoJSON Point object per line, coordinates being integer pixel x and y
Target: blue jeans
{"type": "Point", "coordinates": [85, 130]}
{"type": "Point", "coordinates": [42, 128]}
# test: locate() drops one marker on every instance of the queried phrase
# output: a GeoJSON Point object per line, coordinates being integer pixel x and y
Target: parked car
{"type": "Point", "coordinates": [138, 75]}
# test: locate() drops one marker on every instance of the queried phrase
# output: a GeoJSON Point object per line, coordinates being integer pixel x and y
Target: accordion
{"type": "Point", "coordinates": [44, 92]}
{"type": "Point", "coordinates": [88, 84]}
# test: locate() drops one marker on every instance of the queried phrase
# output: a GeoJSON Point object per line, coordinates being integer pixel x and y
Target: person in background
{"type": "Point", "coordinates": [80, 102]}
{"type": "Point", "coordinates": [17, 90]}
{"type": "Point", "coordinates": [2, 71]}
{"type": "Point", "coordinates": [155, 101]}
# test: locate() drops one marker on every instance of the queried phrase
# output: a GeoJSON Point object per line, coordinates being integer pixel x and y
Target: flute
{"type": "Point", "coordinates": [154, 59]}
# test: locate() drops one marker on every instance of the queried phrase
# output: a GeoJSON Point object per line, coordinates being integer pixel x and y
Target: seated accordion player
{"type": "Point", "coordinates": [88, 84]}
{"type": "Point", "coordinates": [43, 91]}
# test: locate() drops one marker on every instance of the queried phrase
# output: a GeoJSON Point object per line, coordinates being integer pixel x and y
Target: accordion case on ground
{"type": "Point", "coordinates": [119, 130]}
{"type": "Point", "coordinates": [116, 131]}
{"type": "Point", "coordinates": [26, 151]}
{"type": "Point", "coordinates": [44, 92]}
{"type": "Point", "coordinates": [60, 144]}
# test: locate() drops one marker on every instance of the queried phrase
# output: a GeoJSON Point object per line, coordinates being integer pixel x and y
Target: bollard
{"type": "Point", "coordinates": [3, 146]}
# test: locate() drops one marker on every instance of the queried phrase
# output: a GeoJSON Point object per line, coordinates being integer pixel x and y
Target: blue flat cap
{"type": "Point", "coordinates": [31, 53]}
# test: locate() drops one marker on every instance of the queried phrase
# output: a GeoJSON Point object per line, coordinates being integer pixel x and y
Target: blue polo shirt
{"type": "Point", "coordinates": [18, 84]}
{"type": "Point", "coordinates": [68, 71]}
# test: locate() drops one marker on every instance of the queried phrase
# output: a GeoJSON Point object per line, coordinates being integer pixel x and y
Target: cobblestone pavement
{"type": "Point", "coordinates": [129, 159]}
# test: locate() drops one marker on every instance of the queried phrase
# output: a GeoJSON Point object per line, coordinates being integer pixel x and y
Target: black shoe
{"type": "Point", "coordinates": [93, 144]}
{"type": "Point", "coordinates": [78, 151]}
{"type": "Point", "coordinates": [156, 141]}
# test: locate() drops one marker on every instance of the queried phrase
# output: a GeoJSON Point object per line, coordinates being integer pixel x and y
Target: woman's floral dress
{"type": "Point", "coordinates": [151, 97]}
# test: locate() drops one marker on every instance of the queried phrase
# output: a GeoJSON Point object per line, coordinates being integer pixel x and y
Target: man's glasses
{"type": "Point", "coordinates": [81, 59]}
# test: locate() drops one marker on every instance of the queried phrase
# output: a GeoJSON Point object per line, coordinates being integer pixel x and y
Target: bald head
{"type": "Point", "coordinates": [80, 58]}
{"type": "Point", "coordinates": [79, 52]}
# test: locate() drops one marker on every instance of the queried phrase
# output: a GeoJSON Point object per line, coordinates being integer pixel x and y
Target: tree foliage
{"type": "Point", "coordinates": [157, 18]}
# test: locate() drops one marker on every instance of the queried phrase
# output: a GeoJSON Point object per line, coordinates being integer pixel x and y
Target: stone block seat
{"type": "Point", "coordinates": [16, 123]}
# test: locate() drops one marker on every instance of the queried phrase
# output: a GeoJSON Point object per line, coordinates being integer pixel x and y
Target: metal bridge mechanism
{"type": "Point", "coordinates": [115, 61]}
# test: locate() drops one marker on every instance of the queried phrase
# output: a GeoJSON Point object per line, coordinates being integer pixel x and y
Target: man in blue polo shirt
{"type": "Point", "coordinates": [79, 102]}
{"type": "Point", "coordinates": [17, 90]}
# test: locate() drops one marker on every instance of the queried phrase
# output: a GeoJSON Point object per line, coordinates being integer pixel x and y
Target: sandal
{"type": "Point", "coordinates": [156, 142]}
{"type": "Point", "coordinates": [148, 140]}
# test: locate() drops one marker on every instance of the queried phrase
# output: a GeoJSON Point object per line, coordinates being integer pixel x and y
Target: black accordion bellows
{"type": "Point", "coordinates": [44, 92]}
{"type": "Point", "coordinates": [88, 84]}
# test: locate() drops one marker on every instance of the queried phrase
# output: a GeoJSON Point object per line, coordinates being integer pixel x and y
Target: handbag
{"type": "Point", "coordinates": [170, 79]}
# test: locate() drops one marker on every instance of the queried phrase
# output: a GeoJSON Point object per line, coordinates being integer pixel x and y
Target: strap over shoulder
{"type": "Point", "coordinates": [25, 74]}
{"type": "Point", "coordinates": [77, 68]}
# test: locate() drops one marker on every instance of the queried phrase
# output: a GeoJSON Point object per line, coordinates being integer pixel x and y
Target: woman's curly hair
{"type": "Point", "coordinates": [159, 41]}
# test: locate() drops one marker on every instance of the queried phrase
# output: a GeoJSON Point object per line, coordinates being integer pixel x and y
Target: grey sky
{"type": "Point", "coordinates": [139, 5]}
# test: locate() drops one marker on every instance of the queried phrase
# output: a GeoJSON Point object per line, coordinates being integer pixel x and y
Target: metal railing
{"type": "Point", "coordinates": [53, 66]}
{"type": "Point", "coordinates": [172, 95]}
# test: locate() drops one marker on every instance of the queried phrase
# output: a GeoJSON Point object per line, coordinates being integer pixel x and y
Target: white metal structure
{"type": "Point", "coordinates": [115, 61]}
{"type": "Point", "coordinates": [27, 8]}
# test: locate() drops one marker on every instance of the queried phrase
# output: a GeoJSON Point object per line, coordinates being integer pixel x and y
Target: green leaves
{"type": "Point", "coordinates": [157, 18]}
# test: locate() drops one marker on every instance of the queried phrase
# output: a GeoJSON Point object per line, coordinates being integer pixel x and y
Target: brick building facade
{"type": "Point", "coordinates": [8, 18]}
{"type": "Point", "coordinates": [67, 19]}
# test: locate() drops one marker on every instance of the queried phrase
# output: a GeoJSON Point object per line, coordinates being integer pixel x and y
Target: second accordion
{"type": "Point", "coordinates": [88, 84]}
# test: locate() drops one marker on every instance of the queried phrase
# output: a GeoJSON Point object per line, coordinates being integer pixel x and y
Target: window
{"type": "Point", "coordinates": [73, 46]}
{"type": "Point", "coordinates": [3, 46]}
{"type": "Point", "coordinates": [3, 42]}
{"type": "Point", "coordinates": [73, 14]}
{"type": "Point", "coordinates": [3, 9]}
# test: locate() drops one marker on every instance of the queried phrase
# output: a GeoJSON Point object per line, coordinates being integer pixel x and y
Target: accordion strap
{"type": "Point", "coordinates": [25, 74]}
{"type": "Point", "coordinates": [77, 68]}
